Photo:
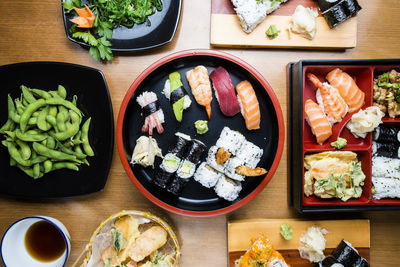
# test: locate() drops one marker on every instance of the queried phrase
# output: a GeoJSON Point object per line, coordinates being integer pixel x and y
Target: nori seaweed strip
{"type": "Point", "coordinates": [194, 151]}
{"type": "Point", "coordinates": [151, 108]}
{"type": "Point", "coordinates": [177, 94]}
{"type": "Point", "coordinates": [341, 12]}
{"type": "Point", "coordinates": [328, 262]}
{"type": "Point", "coordinates": [345, 254]}
{"type": "Point", "coordinates": [361, 262]}
{"type": "Point", "coordinates": [176, 185]}
{"type": "Point", "coordinates": [162, 178]}
{"type": "Point", "coordinates": [386, 134]}
{"type": "Point", "coordinates": [179, 147]}
{"type": "Point", "coordinates": [351, 6]}
{"type": "Point", "coordinates": [389, 150]}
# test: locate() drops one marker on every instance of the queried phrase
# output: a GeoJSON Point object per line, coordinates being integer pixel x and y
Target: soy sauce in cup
{"type": "Point", "coordinates": [44, 242]}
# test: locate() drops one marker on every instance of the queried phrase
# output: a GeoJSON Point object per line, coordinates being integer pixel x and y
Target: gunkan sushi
{"type": "Point", "coordinates": [154, 116]}
{"type": "Point", "coordinates": [177, 95]}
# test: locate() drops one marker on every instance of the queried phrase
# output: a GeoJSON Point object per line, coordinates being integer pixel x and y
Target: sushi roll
{"type": "Point", "coordinates": [361, 262]}
{"type": "Point", "coordinates": [176, 185]}
{"type": "Point", "coordinates": [162, 177]}
{"type": "Point", "coordinates": [206, 175]}
{"type": "Point", "coordinates": [212, 159]}
{"type": "Point", "coordinates": [345, 254]}
{"type": "Point", "coordinates": [230, 168]}
{"type": "Point", "coordinates": [153, 114]}
{"type": "Point", "coordinates": [387, 134]}
{"type": "Point", "coordinates": [386, 150]}
{"type": "Point", "coordinates": [181, 142]}
{"type": "Point", "coordinates": [225, 92]}
{"type": "Point", "coordinates": [329, 262]}
{"type": "Point", "coordinates": [249, 107]}
{"type": "Point", "coordinates": [250, 153]}
{"type": "Point", "coordinates": [170, 163]}
{"type": "Point", "coordinates": [385, 188]}
{"type": "Point", "coordinates": [340, 12]}
{"type": "Point", "coordinates": [228, 189]}
{"type": "Point", "coordinates": [201, 87]}
{"type": "Point", "coordinates": [385, 167]}
{"type": "Point", "coordinates": [177, 95]}
{"type": "Point", "coordinates": [230, 140]}
{"type": "Point", "coordinates": [326, 4]}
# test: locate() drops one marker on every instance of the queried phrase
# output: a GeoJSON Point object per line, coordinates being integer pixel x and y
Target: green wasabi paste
{"type": "Point", "coordinates": [272, 32]}
{"type": "Point", "coordinates": [175, 82]}
{"type": "Point", "coordinates": [286, 231]}
{"type": "Point", "coordinates": [201, 126]}
{"type": "Point", "coordinates": [339, 143]}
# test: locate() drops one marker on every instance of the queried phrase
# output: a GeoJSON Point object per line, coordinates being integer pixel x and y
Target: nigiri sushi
{"type": "Point", "coordinates": [154, 116]}
{"type": "Point", "coordinates": [348, 89]}
{"type": "Point", "coordinates": [329, 99]}
{"type": "Point", "coordinates": [248, 105]}
{"type": "Point", "coordinates": [177, 95]}
{"type": "Point", "coordinates": [225, 92]}
{"type": "Point", "coordinates": [201, 87]}
{"type": "Point", "coordinates": [317, 120]}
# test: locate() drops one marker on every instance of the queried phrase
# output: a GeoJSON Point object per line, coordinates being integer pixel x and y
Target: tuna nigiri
{"type": "Point", "coordinates": [348, 89]}
{"type": "Point", "coordinates": [329, 99]}
{"type": "Point", "coordinates": [317, 120]}
{"type": "Point", "coordinates": [201, 87]}
{"type": "Point", "coordinates": [225, 92]}
{"type": "Point", "coordinates": [154, 116]}
{"type": "Point", "coordinates": [248, 105]}
{"type": "Point", "coordinates": [177, 95]}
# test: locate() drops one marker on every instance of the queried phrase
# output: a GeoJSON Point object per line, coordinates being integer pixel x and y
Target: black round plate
{"type": "Point", "coordinates": [93, 99]}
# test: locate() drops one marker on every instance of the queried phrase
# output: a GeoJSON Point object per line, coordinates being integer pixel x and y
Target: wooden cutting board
{"type": "Point", "coordinates": [227, 32]}
{"type": "Point", "coordinates": [357, 232]}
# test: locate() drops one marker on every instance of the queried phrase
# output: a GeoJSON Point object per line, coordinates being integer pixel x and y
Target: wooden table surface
{"type": "Point", "coordinates": [32, 30]}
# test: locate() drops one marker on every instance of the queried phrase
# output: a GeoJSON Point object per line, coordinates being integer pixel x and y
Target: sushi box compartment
{"type": "Point", "coordinates": [302, 141]}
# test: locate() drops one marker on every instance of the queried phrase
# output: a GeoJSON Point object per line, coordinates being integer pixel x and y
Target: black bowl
{"type": "Point", "coordinates": [93, 100]}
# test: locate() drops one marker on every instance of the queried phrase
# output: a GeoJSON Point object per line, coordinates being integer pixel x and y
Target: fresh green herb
{"type": "Point", "coordinates": [107, 262]}
{"type": "Point", "coordinates": [118, 240]}
{"type": "Point", "coordinates": [69, 5]}
{"type": "Point", "coordinates": [272, 32]}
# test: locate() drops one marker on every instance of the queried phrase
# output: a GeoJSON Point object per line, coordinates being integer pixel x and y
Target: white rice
{"type": "Point", "coordinates": [212, 161]}
{"type": "Point", "coordinates": [230, 168]}
{"type": "Point", "coordinates": [386, 187]}
{"type": "Point", "coordinates": [167, 92]}
{"type": "Point", "coordinates": [386, 167]}
{"type": "Point", "coordinates": [206, 175]}
{"type": "Point", "coordinates": [230, 140]}
{"type": "Point", "coordinates": [227, 188]}
{"type": "Point", "coordinates": [250, 153]}
{"type": "Point", "coordinates": [167, 157]}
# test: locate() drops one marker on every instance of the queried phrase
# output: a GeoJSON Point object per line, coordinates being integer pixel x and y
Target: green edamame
{"type": "Point", "coordinates": [62, 165]}
{"type": "Point", "coordinates": [51, 142]}
{"type": "Point", "coordinates": [41, 93]}
{"type": "Point", "coordinates": [29, 136]}
{"type": "Point", "coordinates": [51, 153]}
{"type": "Point", "coordinates": [61, 122]}
{"type": "Point", "coordinates": [24, 148]}
{"type": "Point", "coordinates": [47, 165]}
{"type": "Point", "coordinates": [36, 171]}
{"type": "Point", "coordinates": [27, 95]}
{"type": "Point", "coordinates": [71, 128]}
{"type": "Point", "coordinates": [8, 126]}
{"type": "Point", "coordinates": [42, 124]}
{"type": "Point", "coordinates": [85, 138]}
{"type": "Point", "coordinates": [78, 155]}
{"type": "Point", "coordinates": [28, 112]}
{"type": "Point", "coordinates": [65, 103]}
{"type": "Point", "coordinates": [62, 92]}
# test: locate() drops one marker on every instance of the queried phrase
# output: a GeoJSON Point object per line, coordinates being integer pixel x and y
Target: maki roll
{"type": "Point", "coordinates": [230, 169]}
{"type": "Point", "coordinates": [387, 134]}
{"type": "Point", "coordinates": [228, 189]}
{"type": "Point", "coordinates": [180, 144]}
{"type": "Point", "coordinates": [206, 175]}
{"type": "Point", "coordinates": [326, 4]}
{"type": "Point", "coordinates": [250, 153]}
{"type": "Point", "coordinates": [230, 140]}
{"type": "Point", "coordinates": [340, 12]}
{"type": "Point", "coordinates": [187, 167]}
{"type": "Point", "coordinates": [213, 161]}
{"type": "Point", "coordinates": [345, 254]}
{"type": "Point", "coordinates": [386, 150]}
{"type": "Point", "coordinates": [385, 187]}
{"type": "Point", "coordinates": [154, 116]}
{"type": "Point", "coordinates": [162, 177]}
{"type": "Point", "coordinates": [385, 167]}
{"type": "Point", "coordinates": [177, 95]}
{"type": "Point", "coordinates": [361, 262]}
{"type": "Point", "coordinates": [329, 262]}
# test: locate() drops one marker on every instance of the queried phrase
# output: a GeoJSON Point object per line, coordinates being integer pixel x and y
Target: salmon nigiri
{"type": "Point", "coordinates": [329, 99]}
{"type": "Point", "coordinates": [348, 89]}
{"type": "Point", "coordinates": [317, 120]}
{"type": "Point", "coordinates": [248, 105]}
{"type": "Point", "coordinates": [201, 87]}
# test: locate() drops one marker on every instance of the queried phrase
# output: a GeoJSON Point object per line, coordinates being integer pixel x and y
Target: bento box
{"type": "Point", "coordinates": [303, 144]}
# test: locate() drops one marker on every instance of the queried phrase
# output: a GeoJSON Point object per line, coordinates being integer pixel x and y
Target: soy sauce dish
{"type": "Point", "coordinates": [36, 241]}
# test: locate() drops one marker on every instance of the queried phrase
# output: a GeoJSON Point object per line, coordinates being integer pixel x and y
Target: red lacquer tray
{"type": "Point", "coordinates": [301, 89]}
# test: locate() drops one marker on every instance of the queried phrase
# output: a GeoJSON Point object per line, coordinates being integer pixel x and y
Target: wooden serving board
{"type": "Point", "coordinates": [357, 232]}
{"type": "Point", "coordinates": [227, 32]}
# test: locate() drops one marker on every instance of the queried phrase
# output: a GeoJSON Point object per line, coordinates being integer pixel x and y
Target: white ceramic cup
{"type": "Point", "coordinates": [14, 252]}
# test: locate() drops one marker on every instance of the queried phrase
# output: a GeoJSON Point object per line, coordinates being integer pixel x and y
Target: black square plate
{"type": "Point", "coordinates": [93, 100]}
{"type": "Point", "coordinates": [161, 31]}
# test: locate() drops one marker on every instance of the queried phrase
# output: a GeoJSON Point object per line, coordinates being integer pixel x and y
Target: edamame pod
{"type": "Point", "coordinates": [65, 103]}
{"type": "Point", "coordinates": [64, 149]}
{"type": "Point", "coordinates": [36, 171]}
{"type": "Point", "coordinates": [28, 137]}
{"type": "Point", "coordinates": [85, 138]}
{"type": "Point", "coordinates": [72, 128]}
{"type": "Point", "coordinates": [48, 165]}
{"type": "Point", "coordinates": [28, 112]}
{"type": "Point", "coordinates": [42, 124]}
{"type": "Point", "coordinates": [27, 95]}
{"type": "Point", "coordinates": [8, 126]}
{"type": "Point", "coordinates": [50, 153]}
{"type": "Point", "coordinates": [51, 142]}
{"type": "Point", "coordinates": [67, 165]}
{"type": "Point", "coordinates": [61, 122]}
{"type": "Point", "coordinates": [62, 92]}
{"type": "Point", "coordinates": [41, 93]}
{"type": "Point", "coordinates": [24, 148]}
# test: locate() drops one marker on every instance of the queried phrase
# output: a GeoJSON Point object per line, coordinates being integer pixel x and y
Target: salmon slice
{"type": "Point", "coordinates": [329, 99]}
{"type": "Point", "coordinates": [348, 89]}
{"type": "Point", "coordinates": [201, 87]}
{"type": "Point", "coordinates": [249, 105]}
{"type": "Point", "coordinates": [317, 120]}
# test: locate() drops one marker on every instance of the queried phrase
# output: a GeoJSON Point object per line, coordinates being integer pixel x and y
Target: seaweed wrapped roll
{"type": "Point", "coordinates": [340, 12]}
{"type": "Point", "coordinates": [326, 4]}
{"type": "Point", "coordinates": [391, 150]}
{"type": "Point", "coordinates": [387, 134]}
{"type": "Point", "coordinates": [345, 254]}
{"type": "Point", "coordinates": [329, 262]}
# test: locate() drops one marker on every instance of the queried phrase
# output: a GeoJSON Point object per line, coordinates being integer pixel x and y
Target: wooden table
{"type": "Point", "coordinates": [32, 30]}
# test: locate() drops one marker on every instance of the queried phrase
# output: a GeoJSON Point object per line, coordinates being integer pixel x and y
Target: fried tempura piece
{"type": "Point", "coordinates": [247, 171]}
{"type": "Point", "coordinates": [109, 257]}
{"type": "Point", "coordinates": [149, 241]}
{"type": "Point", "coordinates": [222, 156]}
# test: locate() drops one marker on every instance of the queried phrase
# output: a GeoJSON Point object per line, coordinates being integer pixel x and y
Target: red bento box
{"type": "Point", "coordinates": [302, 141]}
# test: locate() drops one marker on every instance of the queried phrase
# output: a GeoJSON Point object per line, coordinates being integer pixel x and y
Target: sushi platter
{"type": "Point", "coordinates": [168, 184]}
{"type": "Point", "coordinates": [356, 232]}
{"type": "Point", "coordinates": [375, 152]}
{"type": "Point", "coordinates": [227, 32]}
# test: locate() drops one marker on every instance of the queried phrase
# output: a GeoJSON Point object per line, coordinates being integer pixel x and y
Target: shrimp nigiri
{"type": "Point", "coordinates": [248, 105]}
{"type": "Point", "coordinates": [348, 89]}
{"type": "Point", "coordinates": [329, 99]}
{"type": "Point", "coordinates": [317, 120]}
{"type": "Point", "coordinates": [201, 87]}
{"type": "Point", "coordinates": [154, 116]}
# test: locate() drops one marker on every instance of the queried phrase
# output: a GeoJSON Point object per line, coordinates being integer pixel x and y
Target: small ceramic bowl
{"type": "Point", "coordinates": [14, 252]}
